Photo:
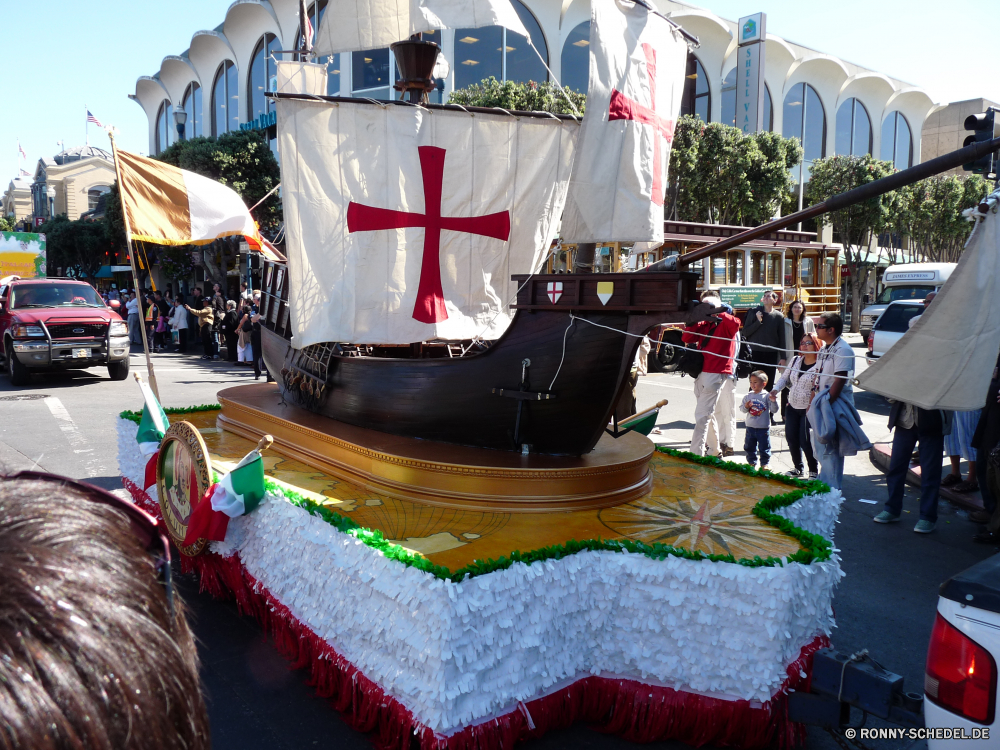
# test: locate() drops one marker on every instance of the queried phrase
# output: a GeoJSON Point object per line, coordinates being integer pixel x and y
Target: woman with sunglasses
{"type": "Point", "coordinates": [95, 649]}
{"type": "Point", "coordinates": [802, 379]}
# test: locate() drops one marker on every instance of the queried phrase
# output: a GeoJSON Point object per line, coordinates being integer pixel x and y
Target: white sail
{"type": "Point", "coordinates": [350, 25]}
{"type": "Point", "coordinates": [637, 63]}
{"type": "Point", "coordinates": [370, 189]}
{"type": "Point", "coordinates": [946, 359]}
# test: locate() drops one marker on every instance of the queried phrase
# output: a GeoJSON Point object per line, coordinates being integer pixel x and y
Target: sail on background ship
{"type": "Point", "coordinates": [409, 224]}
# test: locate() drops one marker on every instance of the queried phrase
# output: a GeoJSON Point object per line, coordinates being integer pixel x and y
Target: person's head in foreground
{"type": "Point", "coordinates": [758, 379]}
{"type": "Point", "coordinates": [95, 650]}
{"type": "Point", "coordinates": [830, 327]}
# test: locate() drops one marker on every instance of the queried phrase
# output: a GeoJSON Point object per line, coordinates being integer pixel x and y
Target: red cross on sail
{"type": "Point", "coordinates": [430, 304]}
{"type": "Point", "coordinates": [623, 108]}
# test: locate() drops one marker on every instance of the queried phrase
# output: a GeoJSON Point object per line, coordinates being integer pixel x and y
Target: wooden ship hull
{"type": "Point", "coordinates": [504, 394]}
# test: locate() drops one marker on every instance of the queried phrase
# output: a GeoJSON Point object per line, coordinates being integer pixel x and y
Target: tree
{"type": "Point", "coordinates": [720, 175]}
{"type": "Point", "coordinates": [524, 97]}
{"type": "Point", "coordinates": [859, 225]}
{"type": "Point", "coordinates": [6, 224]}
{"type": "Point", "coordinates": [937, 230]}
{"type": "Point", "coordinates": [78, 246]}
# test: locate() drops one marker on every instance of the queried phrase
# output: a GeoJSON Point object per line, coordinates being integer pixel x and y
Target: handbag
{"type": "Point", "coordinates": [693, 362]}
{"type": "Point", "coordinates": [745, 364]}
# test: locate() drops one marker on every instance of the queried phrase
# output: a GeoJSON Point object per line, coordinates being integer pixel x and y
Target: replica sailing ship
{"type": "Point", "coordinates": [409, 303]}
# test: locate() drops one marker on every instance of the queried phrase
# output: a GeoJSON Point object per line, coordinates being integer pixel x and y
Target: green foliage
{"type": "Point", "coordinates": [136, 416]}
{"type": "Point", "coordinates": [856, 226]}
{"type": "Point", "coordinates": [6, 224]}
{"type": "Point", "coordinates": [524, 97]}
{"type": "Point", "coordinates": [932, 210]}
{"type": "Point", "coordinates": [78, 246]}
{"type": "Point", "coordinates": [175, 262]}
{"type": "Point", "coordinates": [114, 220]}
{"type": "Point", "coordinates": [720, 175]}
{"type": "Point", "coordinates": [240, 159]}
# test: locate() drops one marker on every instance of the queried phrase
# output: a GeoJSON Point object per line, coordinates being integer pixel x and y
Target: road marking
{"type": "Point", "coordinates": [72, 433]}
{"type": "Point", "coordinates": [664, 385]}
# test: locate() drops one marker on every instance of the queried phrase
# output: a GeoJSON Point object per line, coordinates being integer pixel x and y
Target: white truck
{"type": "Point", "coordinates": [906, 282]}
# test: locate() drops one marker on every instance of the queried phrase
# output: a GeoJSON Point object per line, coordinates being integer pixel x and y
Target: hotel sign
{"type": "Point", "coordinates": [263, 122]}
{"type": "Point", "coordinates": [751, 32]}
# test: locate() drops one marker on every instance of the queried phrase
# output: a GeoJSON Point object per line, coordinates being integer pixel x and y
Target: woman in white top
{"type": "Point", "coordinates": [797, 325]}
{"type": "Point", "coordinates": [801, 378]}
{"type": "Point", "coordinates": [179, 322]}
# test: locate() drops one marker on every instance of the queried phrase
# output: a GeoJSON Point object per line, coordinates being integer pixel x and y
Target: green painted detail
{"type": "Point", "coordinates": [136, 416]}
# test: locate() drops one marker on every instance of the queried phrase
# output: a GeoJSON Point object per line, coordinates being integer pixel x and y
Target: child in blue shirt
{"type": "Point", "coordinates": [758, 408]}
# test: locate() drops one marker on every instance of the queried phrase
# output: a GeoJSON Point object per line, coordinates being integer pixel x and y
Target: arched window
{"type": "Point", "coordinates": [729, 102]}
{"type": "Point", "coordinates": [854, 129]}
{"type": "Point", "coordinates": [505, 55]}
{"type": "Point", "coordinates": [897, 145]}
{"type": "Point", "coordinates": [94, 195]}
{"type": "Point", "coordinates": [316, 12]}
{"type": "Point", "coordinates": [803, 117]}
{"type": "Point", "coordinates": [697, 99]}
{"type": "Point", "coordinates": [262, 71]}
{"type": "Point", "coordinates": [225, 100]}
{"type": "Point", "coordinates": [576, 58]}
{"type": "Point", "coordinates": [166, 132]}
{"type": "Point", "coordinates": [195, 124]}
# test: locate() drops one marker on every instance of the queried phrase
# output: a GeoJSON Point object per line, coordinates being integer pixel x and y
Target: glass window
{"type": "Point", "coordinates": [804, 118]}
{"type": "Point", "coordinates": [736, 268]}
{"type": "Point", "coordinates": [718, 270]}
{"type": "Point", "coordinates": [893, 293]}
{"type": "Point", "coordinates": [576, 58]}
{"type": "Point", "coordinates": [225, 100]}
{"type": "Point", "coordinates": [896, 318]}
{"type": "Point", "coordinates": [897, 146]}
{"type": "Point", "coordinates": [807, 271]}
{"type": "Point", "coordinates": [94, 195]}
{"type": "Point", "coordinates": [829, 271]}
{"type": "Point", "coordinates": [262, 73]}
{"type": "Point", "coordinates": [521, 64]}
{"type": "Point", "coordinates": [166, 130]}
{"type": "Point", "coordinates": [757, 274]}
{"type": "Point", "coordinates": [729, 102]}
{"type": "Point", "coordinates": [854, 129]}
{"type": "Point", "coordinates": [789, 272]}
{"type": "Point", "coordinates": [697, 100]}
{"type": "Point", "coordinates": [195, 112]}
{"type": "Point", "coordinates": [773, 269]}
{"type": "Point", "coordinates": [372, 73]}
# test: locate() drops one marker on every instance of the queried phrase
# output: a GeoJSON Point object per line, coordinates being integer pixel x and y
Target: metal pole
{"type": "Point", "coordinates": [135, 276]}
{"type": "Point", "coordinates": [843, 200]}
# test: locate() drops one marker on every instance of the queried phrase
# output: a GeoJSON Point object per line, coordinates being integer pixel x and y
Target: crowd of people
{"type": "Point", "coordinates": [803, 372]}
{"type": "Point", "coordinates": [219, 327]}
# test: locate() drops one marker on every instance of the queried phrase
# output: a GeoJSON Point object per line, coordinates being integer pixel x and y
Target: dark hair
{"type": "Point", "coordinates": [834, 321]}
{"type": "Point", "coordinates": [788, 310]}
{"type": "Point", "coordinates": [90, 654]}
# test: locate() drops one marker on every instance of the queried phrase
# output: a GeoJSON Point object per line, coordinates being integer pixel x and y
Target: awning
{"type": "Point", "coordinates": [108, 272]}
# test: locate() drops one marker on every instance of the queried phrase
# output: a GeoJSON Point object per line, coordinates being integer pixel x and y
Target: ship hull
{"type": "Point", "coordinates": [490, 399]}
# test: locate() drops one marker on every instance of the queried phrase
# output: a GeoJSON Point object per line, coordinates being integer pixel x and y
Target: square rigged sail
{"type": "Point", "coordinates": [405, 224]}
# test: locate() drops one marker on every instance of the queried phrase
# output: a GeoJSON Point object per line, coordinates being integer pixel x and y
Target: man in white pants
{"type": "Point", "coordinates": [716, 339]}
{"type": "Point", "coordinates": [722, 429]}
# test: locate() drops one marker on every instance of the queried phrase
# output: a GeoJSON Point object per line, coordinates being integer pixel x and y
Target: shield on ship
{"type": "Point", "coordinates": [555, 290]}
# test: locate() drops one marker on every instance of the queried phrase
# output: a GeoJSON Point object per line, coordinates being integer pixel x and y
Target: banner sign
{"type": "Point", "coordinates": [22, 254]}
{"type": "Point", "coordinates": [750, 74]}
{"type": "Point", "coordinates": [742, 297]}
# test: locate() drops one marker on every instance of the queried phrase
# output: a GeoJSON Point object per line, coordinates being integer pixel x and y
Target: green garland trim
{"type": "Point", "coordinates": [136, 416]}
{"type": "Point", "coordinates": [815, 547]}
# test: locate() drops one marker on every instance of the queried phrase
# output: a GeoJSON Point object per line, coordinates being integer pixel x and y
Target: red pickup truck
{"type": "Point", "coordinates": [59, 324]}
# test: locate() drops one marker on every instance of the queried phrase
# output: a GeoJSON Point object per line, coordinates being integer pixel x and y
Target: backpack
{"type": "Point", "coordinates": [693, 362]}
{"type": "Point", "coordinates": [745, 356]}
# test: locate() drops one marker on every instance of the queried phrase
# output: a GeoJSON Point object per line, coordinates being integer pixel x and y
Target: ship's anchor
{"type": "Point", "coordinates": [522, 395]}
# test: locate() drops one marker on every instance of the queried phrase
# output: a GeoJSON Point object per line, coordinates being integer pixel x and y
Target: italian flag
{"type": "Point", "coordinates": [152, 427]}
{"type": "Point", "coordinates": [171, 206]}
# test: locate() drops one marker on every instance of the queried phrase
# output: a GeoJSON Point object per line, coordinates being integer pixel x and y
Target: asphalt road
{"type": "Point", "coordinates": [65, 423]}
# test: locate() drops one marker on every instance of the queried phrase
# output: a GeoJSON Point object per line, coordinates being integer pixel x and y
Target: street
{"type": "Point", "coordinates": [65, 423]}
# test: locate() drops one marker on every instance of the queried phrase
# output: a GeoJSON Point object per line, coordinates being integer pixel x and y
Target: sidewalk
{"type": "Point", "coordinates": [879, 455]}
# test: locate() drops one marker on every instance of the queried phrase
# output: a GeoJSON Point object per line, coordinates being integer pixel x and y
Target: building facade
{"type": "Point", "coordinates": [17, 200]}
{"type": "Point", "coordinates": [833, 106]}
{"type": "Point", "coordinates": [944, 130]}
{"type": "Point", "coordinates": [71, 182]}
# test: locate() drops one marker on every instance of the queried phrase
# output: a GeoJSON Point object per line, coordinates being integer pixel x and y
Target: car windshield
{"type": "Point", "coordinates": [893, 293]}
{"type": "Point", "coordinates": [896, 318]}
{"type": "Point", "coordinates": [55, 295]}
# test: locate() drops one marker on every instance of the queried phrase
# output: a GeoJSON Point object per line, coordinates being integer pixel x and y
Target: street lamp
{"type": "Point", "coordinates": [51, 193]}
{"type": "Point", "coordinates": [180, 117]}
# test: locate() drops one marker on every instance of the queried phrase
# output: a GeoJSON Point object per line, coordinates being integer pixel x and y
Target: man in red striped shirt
{"type": "Point", "coordinates": [719, 352]}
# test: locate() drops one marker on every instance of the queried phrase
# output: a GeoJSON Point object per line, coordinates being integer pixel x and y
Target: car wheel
{"type": "Point", "coordinates": [118, 370]}
{"type": "Point", "coordinates": [667, 356]}
{"type": "Point", "coordinates": [18, 373]}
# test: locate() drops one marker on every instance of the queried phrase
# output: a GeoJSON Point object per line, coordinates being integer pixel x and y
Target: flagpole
{"type": "Point", "coordinates": [131, 260]}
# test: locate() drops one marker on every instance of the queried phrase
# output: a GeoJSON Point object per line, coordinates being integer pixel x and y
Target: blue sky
{"type": "Point", "coordinates": [62, 56]}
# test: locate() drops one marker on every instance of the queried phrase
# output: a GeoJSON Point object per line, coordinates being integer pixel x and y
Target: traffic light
{"type": "Point", "coordinates": [982, 126]}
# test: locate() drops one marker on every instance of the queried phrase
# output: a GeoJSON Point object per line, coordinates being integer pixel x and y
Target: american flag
{"type": "Point", "coordinates": [23, 155]}
{"type": "Point", "coordinates": [91, 118]}
{"type": "Point", "coordinates": [307, 27]}
{"type": "Point", "coordinates": [25, 173]}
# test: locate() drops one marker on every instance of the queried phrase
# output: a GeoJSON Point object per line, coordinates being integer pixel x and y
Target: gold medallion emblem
{"type": "Point", "coordinates": [183, 476]}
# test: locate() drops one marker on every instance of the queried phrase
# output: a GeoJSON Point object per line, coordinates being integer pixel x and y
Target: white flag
{"type": "Point", "coordinates": [350, 25]}
{"type": "Point", "coordinates": [405, 224]}
{"type": "Point", "coordinates": [637, 63]}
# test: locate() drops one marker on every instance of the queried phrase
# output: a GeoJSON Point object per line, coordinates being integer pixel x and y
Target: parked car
{"type": "Point", "coordinates": [890, 327]}
{"type": "Point", "coordinates": [960, 680]}
{"type": "Point", "coordinates": [59, 324]}
{"type": "Point", "coordinates": [906, 282]}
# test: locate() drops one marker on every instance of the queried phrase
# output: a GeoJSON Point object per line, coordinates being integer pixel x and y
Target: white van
{"type": "Point", "coordinates": [908, 281]}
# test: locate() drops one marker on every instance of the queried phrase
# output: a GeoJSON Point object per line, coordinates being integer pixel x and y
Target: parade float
{"type": "Point", "coordinates": [452, 531]}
